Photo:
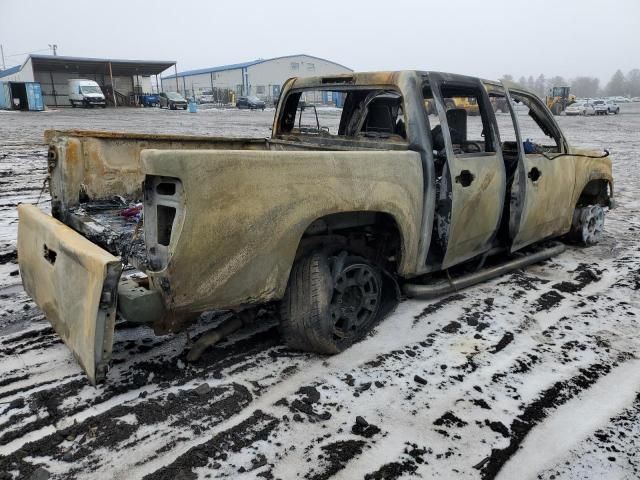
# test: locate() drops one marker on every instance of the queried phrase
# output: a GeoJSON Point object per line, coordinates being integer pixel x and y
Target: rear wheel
{"type": "Point", "coordinates": [588, 224]}
{"type": "Point", "coordinates": [330, 303]}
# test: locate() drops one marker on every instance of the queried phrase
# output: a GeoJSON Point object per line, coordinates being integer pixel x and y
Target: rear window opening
{"type": "Point", "coordinates": [165, 217]}
{"type": "Point", "coordinates": [369, 113]}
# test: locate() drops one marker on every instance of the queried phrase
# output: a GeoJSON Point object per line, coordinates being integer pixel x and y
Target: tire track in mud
{"type": "Point", "coordinates": [159, 374]}
{"type": "Point", "coordinates": [475, 317]}
{"type": "Point", "coordinates": [108, 430]}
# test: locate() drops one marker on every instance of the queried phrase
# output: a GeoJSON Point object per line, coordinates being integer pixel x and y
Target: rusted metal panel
{"type": "Point", "coordinates": [236, 241]}
{"type": "Point", "coordinates": [476, 208]}
{"type": "Point", "coordinates": [544, 187]}
{"type": "Point", "coordinates": [100, 165]}
{"type": "Point", "coordinates": [74, 283]}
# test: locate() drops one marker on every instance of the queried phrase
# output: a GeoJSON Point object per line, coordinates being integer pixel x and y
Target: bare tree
{"type": "Point", "coordinates": [585, 86]}
{"type": "Point", "coordinates": [633, 82]}
{"type": "Point", "coordinates": [540, 85]}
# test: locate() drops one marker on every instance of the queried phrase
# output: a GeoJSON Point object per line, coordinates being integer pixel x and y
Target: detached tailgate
{"type": "Point", "coordinates": [74, 282]}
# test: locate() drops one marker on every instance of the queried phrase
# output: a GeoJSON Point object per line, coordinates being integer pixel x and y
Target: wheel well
{"type": "Point", "coordinates": [596, 192]}
{"type": "Point", "coordinates": [374, 235]}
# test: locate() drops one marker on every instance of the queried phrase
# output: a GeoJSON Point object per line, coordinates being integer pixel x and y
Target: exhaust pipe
{"type": "Point", "coordinates": [438, 289]}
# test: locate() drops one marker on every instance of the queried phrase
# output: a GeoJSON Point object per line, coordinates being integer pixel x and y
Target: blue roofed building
{"type": "Point", "coordinates": [262, 78]}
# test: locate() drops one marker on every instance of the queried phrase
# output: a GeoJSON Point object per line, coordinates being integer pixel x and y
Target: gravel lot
{"type": "Point", "coordinates": [533, 375]}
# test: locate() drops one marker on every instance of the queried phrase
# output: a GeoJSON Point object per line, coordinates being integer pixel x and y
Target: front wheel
{"type": "Point", "coordinates": [330, 302]}
{"type": "Point", "coordinates": [587, 225]}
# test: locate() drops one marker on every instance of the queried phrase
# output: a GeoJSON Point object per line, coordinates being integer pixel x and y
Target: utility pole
{"type": "Point", "coordinates": [54, 47]}
{"type": "Point", "coordinates": [2, 54]}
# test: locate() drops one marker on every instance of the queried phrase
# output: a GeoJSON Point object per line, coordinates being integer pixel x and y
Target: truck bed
{"type": "Point", "coordinates": [103, 223]}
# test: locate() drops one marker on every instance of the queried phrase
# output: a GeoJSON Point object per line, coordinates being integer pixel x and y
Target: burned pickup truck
{"type": "Point", "coordinates": [359, 190]}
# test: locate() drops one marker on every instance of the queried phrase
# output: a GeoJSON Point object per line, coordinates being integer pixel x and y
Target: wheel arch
{"type": "Point", "coordinates": [367, 233]}
{"type": "Point", "coordinates": [597, 191]}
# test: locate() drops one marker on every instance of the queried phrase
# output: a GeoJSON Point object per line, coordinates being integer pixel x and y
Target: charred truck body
{"type": "Point", "coordinates": [318, 220]}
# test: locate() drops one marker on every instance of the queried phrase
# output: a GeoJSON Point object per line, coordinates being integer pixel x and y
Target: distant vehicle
{"type": "Point", "coordinates": [621, 99]}
{"type": "Point", "coordinates": [150, 100]}
{"type": "Point", "coordinates": [205, 99]}
{"type": "Point", "coordinates": [173, 101]}
{"type": "Point", "coordinates": [559, 99]}
{"type": "Point", "coordinates": [635, 99]}
{"type": "Point", "coordinates": [601, 107]}
{"type": "Point", "coordinates": [252, 103]}
{"type": "Point", "coordinates": [86, 93]}
{"type": "Point", "coordinates": [613, 107]}
{"type": "Point", "coordinates": [580, 108]}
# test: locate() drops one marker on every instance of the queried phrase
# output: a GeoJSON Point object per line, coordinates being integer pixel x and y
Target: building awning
{"type": "Point", "coordinates": [83, 65]}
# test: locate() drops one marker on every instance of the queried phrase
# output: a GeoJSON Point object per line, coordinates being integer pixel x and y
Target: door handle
{"type": "Point", "coordinates": [534, 174]}
{"type": "Point", "coordinates": [465, 178]}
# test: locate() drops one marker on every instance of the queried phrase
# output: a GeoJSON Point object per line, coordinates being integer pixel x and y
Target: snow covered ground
{"type": "Point", "coordinates": [533, 375]}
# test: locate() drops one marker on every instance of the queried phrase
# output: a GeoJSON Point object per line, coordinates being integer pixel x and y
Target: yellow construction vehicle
{"type": "Point", "coordinates": [558, 99]}
{"type": "Point", "coordinates": [470, 104]}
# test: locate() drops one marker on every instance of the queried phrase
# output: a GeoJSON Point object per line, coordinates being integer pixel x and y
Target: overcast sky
{"type": "Point", "coordinates": [482, 38]}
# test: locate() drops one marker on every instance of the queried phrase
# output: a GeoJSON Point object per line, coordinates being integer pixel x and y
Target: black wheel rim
{"type": "Point", "coordinates": [356, 297]}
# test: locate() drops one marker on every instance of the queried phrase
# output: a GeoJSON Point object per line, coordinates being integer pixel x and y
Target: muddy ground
{"type": "Point", "coordinates": [532, 375]}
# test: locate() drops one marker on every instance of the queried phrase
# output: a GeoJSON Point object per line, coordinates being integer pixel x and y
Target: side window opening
{"type": "Point", "coordinates": [361, 113]}
{"type": "Point", "coordinates": [538, 132]}
{"type": "Point", "coordinates": [506, 134]}
{"type": "Point", "coordinates": [468, 121]}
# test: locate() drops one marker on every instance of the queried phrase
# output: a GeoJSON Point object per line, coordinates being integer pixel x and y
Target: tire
{"type": "Point", "coordinates": [587, 225]}
{"type": "Point", "coordinates": [73, 104]}
{"type": "Point", "coordinates": [323, 315]}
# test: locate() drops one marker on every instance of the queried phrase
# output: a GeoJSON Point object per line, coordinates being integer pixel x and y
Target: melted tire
{"type": "Point", "coordinates": [587, 225]}
{"type": "Point", "coordinates": [311, 312]}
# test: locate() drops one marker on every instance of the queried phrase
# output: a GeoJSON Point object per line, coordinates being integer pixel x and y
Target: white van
{"type": "Point", "coordinates": [86, 93]}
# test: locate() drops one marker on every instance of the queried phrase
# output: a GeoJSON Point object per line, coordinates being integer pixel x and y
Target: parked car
{"type": "Point", "coordinates": [613, 107]}
{"type": "Point", "coordinates": [252, 103]}
{"type": "Point", "coordinates": [600, 107]}
{"type": "Point", "coordinates": [323, 222]}
{"type": "Point", "coordinates": [172, 100]}
{"type": "Point", "coordinates": [580, 108]}
{"type": "Point", "coordinates": [621, 99]}
{"type": "Point", "coordinates": [86, 93]}
{"type": "Point", "coordinates": [150, 100]}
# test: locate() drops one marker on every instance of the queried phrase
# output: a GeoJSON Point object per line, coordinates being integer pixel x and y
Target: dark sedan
{"type": "Point", "coordinates": [172, 100]}
{"type": "Point", "coordinates": [252, 103]}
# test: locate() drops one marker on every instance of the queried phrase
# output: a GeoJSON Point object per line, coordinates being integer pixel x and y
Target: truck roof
{"type": "Point", "coordinates": [389, 77]}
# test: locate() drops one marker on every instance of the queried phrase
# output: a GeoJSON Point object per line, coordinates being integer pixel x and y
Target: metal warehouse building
{"type": "Point", "coordinates": [262, 78]}
{"type": "Point", "coordinates": [120, 80]}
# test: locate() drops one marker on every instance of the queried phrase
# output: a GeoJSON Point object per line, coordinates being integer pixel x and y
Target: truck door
{"type": "Point", "coordinates": [469, 167]}
{"type": "Point", "coordinates": [540, 200]}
